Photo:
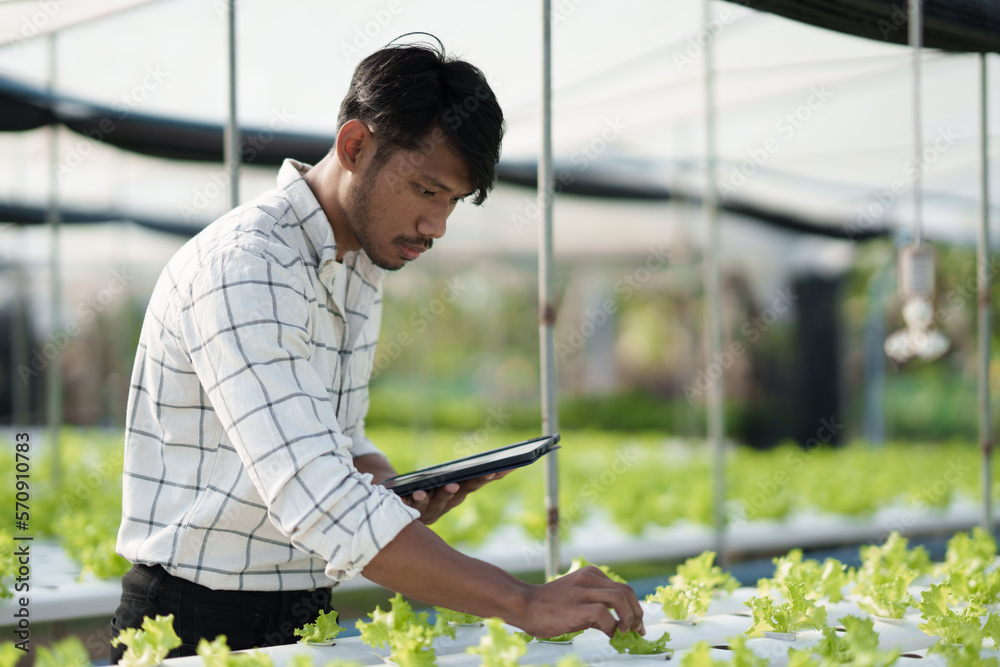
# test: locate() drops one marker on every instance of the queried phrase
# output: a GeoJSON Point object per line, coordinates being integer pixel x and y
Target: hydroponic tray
{"type": "Point", "coordinates": [56, 594]}
{"type": "Point", "coordinates": [593, 649]}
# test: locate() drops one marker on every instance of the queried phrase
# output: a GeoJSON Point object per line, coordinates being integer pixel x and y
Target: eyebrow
{"type": "Point", "coordinates": [441, 186]}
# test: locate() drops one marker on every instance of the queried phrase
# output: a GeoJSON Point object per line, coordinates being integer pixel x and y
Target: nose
{"type": "Point", "coordinates": [433, 223]}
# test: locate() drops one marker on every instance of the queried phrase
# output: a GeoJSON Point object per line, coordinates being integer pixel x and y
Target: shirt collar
{"type": "Point", "coordinates": [315, 224]}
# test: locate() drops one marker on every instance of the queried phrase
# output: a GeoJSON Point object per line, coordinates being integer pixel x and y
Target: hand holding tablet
{"type": "Point", "coordinates": [477, 465]}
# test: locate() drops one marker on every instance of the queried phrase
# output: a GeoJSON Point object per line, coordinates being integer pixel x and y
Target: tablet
{"type": "Point", "coordinates": [477, 465]}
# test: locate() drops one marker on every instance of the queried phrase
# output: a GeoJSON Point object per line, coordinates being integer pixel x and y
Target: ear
{"type": "Point", "coordinates": [354, 142]}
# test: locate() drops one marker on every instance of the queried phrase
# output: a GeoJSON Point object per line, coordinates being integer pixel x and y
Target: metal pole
{"type": "Point", "coordinates": [54, 402]}
{"type": "Point", "coordinates": [983, 263]}
{"type": "Point", "coordinates": [547, 311]}
{"type": "Point", "coordinates": [232, 134]}
{"type": "Point", "coordinates": [916, 39]}
{"type": "Point", "coordinates": [713, 305]}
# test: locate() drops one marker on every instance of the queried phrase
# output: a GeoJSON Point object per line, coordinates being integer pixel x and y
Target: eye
{"type": "Point", "coordinates": [422, 191]}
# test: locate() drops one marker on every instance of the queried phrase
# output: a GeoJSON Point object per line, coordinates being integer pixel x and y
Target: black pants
{"type": "Point", "coordinates": [249, 619]}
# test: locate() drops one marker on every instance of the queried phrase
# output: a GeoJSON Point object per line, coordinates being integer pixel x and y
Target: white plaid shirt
{"type": "Point", "coordinates": [247, 403]}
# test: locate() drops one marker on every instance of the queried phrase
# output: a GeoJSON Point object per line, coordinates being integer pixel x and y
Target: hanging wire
{"type": "Point", "coordinates": [713, 305]}
{"type": "Point", "coordinates": [916, 39]}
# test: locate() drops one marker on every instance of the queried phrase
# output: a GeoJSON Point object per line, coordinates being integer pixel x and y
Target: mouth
{"type": "Point", "coordinates": [410, 252]}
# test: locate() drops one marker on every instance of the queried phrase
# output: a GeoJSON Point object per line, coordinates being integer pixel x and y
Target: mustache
{"type": "Point", "coordinates": [415, 241]}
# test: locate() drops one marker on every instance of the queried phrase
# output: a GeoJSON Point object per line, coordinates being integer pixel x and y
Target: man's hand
{"type": "Point", "coordinates": [581, 600]}
{"type": "Point", "coordinates": [419, 564]}
{"type": "Point", "coordinates": [436, 502]}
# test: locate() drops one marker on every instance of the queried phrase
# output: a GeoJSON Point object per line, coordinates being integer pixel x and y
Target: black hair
{"type": "Point", "coordinates": [410, 93]}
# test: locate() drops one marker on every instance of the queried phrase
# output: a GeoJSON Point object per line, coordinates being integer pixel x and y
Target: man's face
{"type": "Point", "coordinates": [396, 213]}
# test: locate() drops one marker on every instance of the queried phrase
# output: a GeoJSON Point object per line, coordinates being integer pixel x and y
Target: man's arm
{"type": "Point", "coordinates": [418, 564]}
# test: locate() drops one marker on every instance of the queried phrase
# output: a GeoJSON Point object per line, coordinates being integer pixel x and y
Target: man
{"type": "Point", "coordinates": [250, 488]}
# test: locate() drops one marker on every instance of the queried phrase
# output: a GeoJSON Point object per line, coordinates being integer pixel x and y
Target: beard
{"type": "Point", "coordinates": [360, 216]}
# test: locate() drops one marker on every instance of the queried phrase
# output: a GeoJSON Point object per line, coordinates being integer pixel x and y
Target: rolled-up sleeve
{"type": "Point", "coordinates": [247, 329]}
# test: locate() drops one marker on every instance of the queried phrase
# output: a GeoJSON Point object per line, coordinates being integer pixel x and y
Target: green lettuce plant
{"type": "Point", "coordinates": [68, 652]}
{"type": "Point", "coordinates": [498, 647]}
{"type": "Point", "coordinates": [953, 625]}
{"type": "Point", "coordinates": [148, 646]}
{"type": "Point", "coordinates": [633, 643]}
{"type": "Point", "coordinates": [740, 655]}
{"type": "Point", "coordinates": [796, 613]}
{"type": "Point", "coordinates": [323, 630]}
{"type": "Point", "coordinates": [821, 580]}
{"type": "Point", "coordinates": [859, 645]}
{"type": "Point", "coordinates": [216, 653]}
{"type": "Point", "coordinates": [410, 637]}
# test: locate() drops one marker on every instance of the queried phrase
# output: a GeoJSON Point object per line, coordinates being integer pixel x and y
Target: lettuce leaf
{"type": "Point", "coordinates": [740, 656]}
{"type": "Point", "coordinates": [681, 604]}
{"type": "Point", "coordinates": [410, 637]}
{"type": "Point", "coordinates": [217, 654]}
{"type": "Point", "coordinates": [796, 613]}
{"type": "Point", "coordinates": [884, 591]}
{"type": "Point", "coordinates": [953, 625]}
{"type": "Point", "coordinates": [633, 643]}
{"type": "Point", "coordinates": [457, 617]}
{"type": "Point", "coordinates": [699, 572]}
{"type": "Point", "coordinates": [826, 580]}
{"type": "Point", "coordinates": [148, 646]}
{"type": "Point", "coordinates": [9, 654]}
{"type": "Point", "coordinates": [580, 562]}
{"type": "Point", "coordinates": [498, 647]}
{"type": "Point", "coordinates": [859, 645]}
{"type": "Point", "coordinates": [68, 652]}
{"type": "Point", "coordinates": [323, 629]}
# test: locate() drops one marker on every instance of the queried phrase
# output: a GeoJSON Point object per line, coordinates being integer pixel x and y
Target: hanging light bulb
{"type": "Point", "coordinates": [916, 286]}
{"type": "Point", "coordinates": [916, 261]}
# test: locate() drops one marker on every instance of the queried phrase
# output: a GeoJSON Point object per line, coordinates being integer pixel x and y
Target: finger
{"type": "Point", "coordinates": [601, 619]}
{"type": "Point", "coordinates": [419, 496]}
{"type": "Point", "coordinates": [618, 596]}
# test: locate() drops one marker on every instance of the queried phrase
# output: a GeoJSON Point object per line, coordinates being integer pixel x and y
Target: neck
{"type": "Point", "coordinates": [328, 185]}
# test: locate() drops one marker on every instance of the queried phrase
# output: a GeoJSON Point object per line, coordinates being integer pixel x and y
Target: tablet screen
{"type": "Point", "coordinates": [459, 470]}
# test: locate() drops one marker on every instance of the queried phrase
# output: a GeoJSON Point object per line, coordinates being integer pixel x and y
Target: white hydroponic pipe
{"type": "Point", "coordinates": [546, 309]}
{"type": "Point", "coordinates": [983, 265]}
{"type": "Point", "coordinates": [713, 304]}
{"type": "Point", "coordinates": [232, 134]}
